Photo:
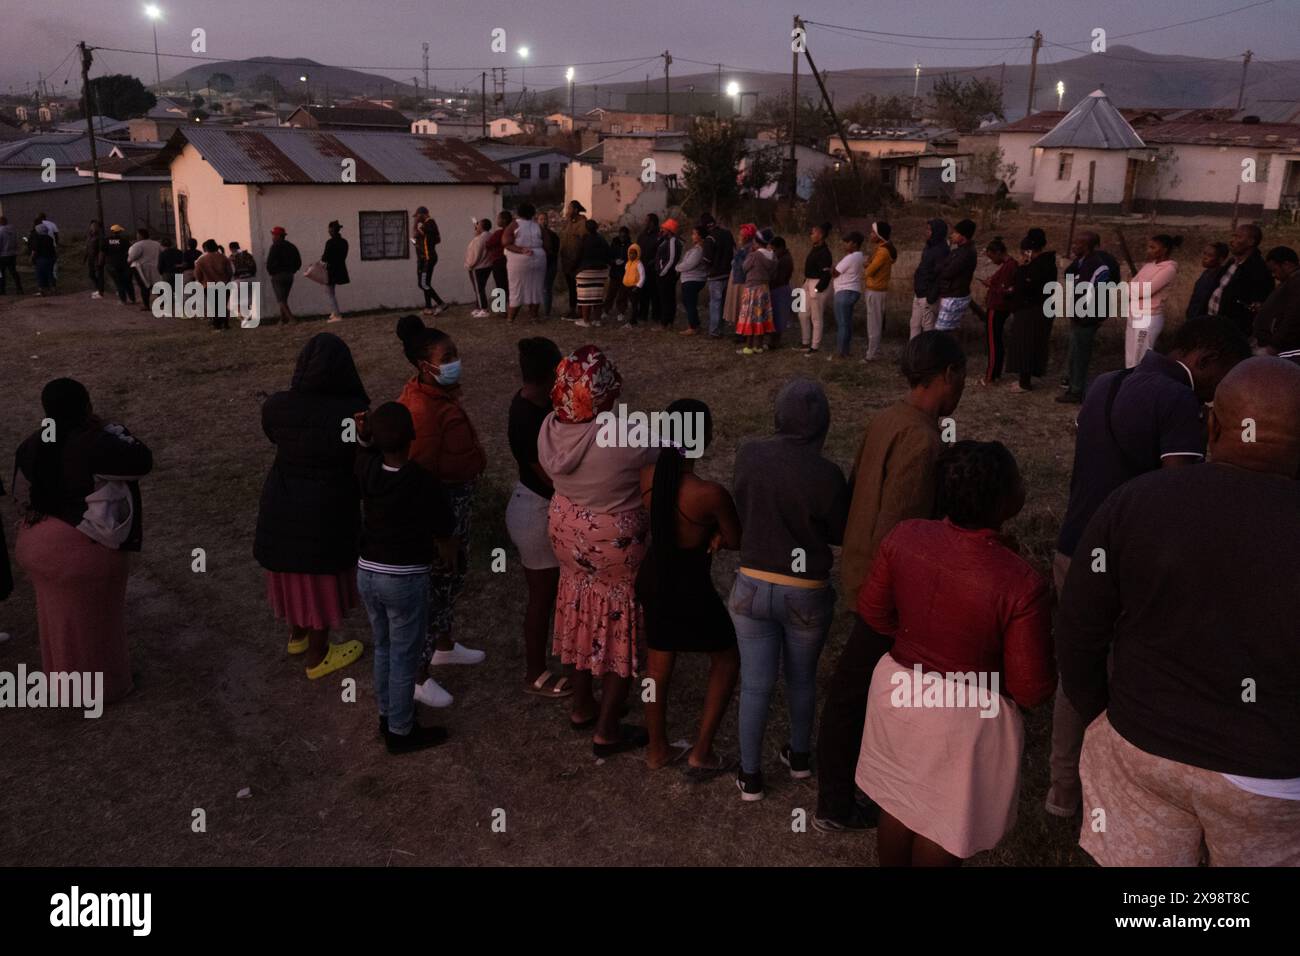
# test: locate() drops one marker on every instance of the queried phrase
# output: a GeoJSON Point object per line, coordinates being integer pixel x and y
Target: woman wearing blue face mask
{"type": "Point", "coordinates": [447, 446]}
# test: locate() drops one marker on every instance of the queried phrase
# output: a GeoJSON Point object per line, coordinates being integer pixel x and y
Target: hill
{"type": "Point", "coordinates": [286, 71]}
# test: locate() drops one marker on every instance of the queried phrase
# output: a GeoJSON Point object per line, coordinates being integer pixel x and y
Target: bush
{"type": "Point", "coordinates": [839, 192]}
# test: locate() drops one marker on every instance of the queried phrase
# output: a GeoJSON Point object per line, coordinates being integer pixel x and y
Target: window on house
{"type": "Point", "coordinates": [543, 170]}
{"type": "Point", "coordinates": [383, 235]}
{"type": "Point", "coordinates": [616, 127]}
{"type": "Point", "coordinates": [525, 170]}
{"type": "Point", "coordinates": [1064, 165]}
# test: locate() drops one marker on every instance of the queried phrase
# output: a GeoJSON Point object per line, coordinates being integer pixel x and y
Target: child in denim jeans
{"type": "Point", "coordinates": [406, 522]}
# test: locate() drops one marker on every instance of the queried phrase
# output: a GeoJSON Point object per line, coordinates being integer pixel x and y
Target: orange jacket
{"type": "Point", "coordinates": [445, 441]}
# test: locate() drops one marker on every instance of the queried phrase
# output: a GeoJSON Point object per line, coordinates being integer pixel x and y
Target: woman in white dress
{"type": "Point", "coordinates": [525, 262]}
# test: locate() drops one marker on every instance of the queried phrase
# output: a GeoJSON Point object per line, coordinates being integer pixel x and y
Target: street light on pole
{"type": "Point", "coordinates": [573, 118]}
{"type": "Point", "coordinates": [1060, 93]}
{"type": "Point", "coordinates": [306, 90]}
{"type": "Point", "coordinates": [733, 90]}
{"type": "Point", "coordinates": [154, 13]}
{"type": "Point", "coordinates": [523, 82]}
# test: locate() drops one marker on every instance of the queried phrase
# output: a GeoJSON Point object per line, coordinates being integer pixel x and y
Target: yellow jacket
{"type": "Point", "coordinates": [879, 268]}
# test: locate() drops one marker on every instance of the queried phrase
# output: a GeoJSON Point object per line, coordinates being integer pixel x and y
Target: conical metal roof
{"type": "Point", "coordinates": [1093, 124]}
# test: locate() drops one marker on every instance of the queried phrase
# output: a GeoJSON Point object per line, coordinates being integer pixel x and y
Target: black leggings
{"type": "Point", "coordinates": [424, 273]}
{"type": "Point", "coordinates": [480, 278]}
{"type": "Point", "coordinates": [995, 322]}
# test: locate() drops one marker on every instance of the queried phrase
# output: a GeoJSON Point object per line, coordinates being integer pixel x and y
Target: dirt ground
{"type": "Point", "coordinates": [221, 707]}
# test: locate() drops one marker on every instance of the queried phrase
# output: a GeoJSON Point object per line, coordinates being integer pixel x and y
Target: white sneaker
{"type": "Point", "coordinates": [96, 295]}
{"type": "Point", "coordinates": [459, 654]}
{"type": "Point", "coordinates": [431, 694]}
{"type": "Point", "coordinates": [479, 314]}
{"type": "Point", "coordinates": [334, 317]}
{"type": "Point", "coordinates": [583, 324]}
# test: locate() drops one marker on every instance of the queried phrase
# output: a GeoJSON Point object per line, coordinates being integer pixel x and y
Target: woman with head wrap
{"type": "Point", "coordinates": [598, 530]}
{"type": "Point", "coordinates": [309, 519]}
{"type": "Point", "coordinates": [736, 283]}
{"type": "Point", "coordinates": [77, 530]}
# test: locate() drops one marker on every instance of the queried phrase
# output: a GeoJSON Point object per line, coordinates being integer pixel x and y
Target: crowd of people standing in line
{"type": "Point", "coordinates": [1150, 720]}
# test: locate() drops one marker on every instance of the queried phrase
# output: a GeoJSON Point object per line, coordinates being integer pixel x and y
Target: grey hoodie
{"type": "Point", "coordinates": [605, 479]}
{"type": "Point", "coordinates": [787, 494]}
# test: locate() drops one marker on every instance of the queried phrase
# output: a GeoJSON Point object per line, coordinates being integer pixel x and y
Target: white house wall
{"type": "Point", "coordinates": [305, 210]}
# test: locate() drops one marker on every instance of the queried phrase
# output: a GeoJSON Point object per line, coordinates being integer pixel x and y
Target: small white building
{"type": "Point", "coordinates": [1093, 153]}
{"type": "Point", "coordinates": [236, 184]}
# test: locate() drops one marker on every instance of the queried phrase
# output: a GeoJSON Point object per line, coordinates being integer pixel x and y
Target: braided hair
{"type": "Point", "coordinates": [973, 478]}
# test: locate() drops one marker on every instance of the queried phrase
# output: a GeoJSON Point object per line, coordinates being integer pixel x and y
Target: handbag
{"type": "Point", "coordinates": [317, 272]}
{"type": "Point", "coordinates": [110, 511]}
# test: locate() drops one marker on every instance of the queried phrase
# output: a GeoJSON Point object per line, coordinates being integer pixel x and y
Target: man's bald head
{"type": "Point", "coordinates": [1255, 422]}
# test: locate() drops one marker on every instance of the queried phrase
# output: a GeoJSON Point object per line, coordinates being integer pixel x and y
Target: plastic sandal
{"type": "Point", "coordinates": [299, 646]}
{"type": "Point", "coordinates": [338, 656]}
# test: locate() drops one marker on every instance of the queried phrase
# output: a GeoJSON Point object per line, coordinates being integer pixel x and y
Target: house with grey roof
{"type": "Point", "coordinates": [237, 183]}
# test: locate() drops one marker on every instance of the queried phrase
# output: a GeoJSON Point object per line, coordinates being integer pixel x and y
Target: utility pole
{"type": "Point", "coordinates": [1245, 62]}
{"type": "Point", "coordinates": [830, 106]}
{"type": "Point", "coordinates": [1033, 68]}
{"type": "Point", "coordinates": [793, 174]}
{"type": "Point", "coordinates": [717, 109]}
{"type": "Point", "coordinates": [668, 112]}
{"type": "Point", "coordinates": [426, 68]}
{"type": "Point", "coordinates": [86, 60]}
{"type": "Point", "coordinates": [483, 100]}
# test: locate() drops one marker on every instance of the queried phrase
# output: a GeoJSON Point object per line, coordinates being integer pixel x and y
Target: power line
{"type": "Point", "coordinates": [905, 36]}
{"type": "Point", "coordinates": [918, 46]}
{"type": "Point", "coordinates": [1183, 23]}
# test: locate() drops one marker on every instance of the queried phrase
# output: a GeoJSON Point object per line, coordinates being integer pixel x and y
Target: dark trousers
{"type": "Point", "coordinates": [571, 283]}
{"type": "Point", "coordinates": [839, 741]}
{"type": "Point", "coordinates": [501, 278]}
{"type": "Point", "coordinates": [96, 274]}
{"type": "Point", "coordinates": [666, 300]}
{"type": "Point", "coordinates": [122, 282]}
{"type": "Point", "coordinates": [480, 280]}
{"type": "Point", "coordinates": [616, 295]}
{"type": "Point", "coordinates": [9, 266]}
{"type": "Point", "coordinates": [424, 274]}
{"type": "Point", "coordinates": [548, 290]}
{"type": "Point", "coordinates": [995, 322]}
{"type": "Point", "coordinates": [691, 302]}
{"type": "Point", "coordinates": [1081, 339]}
{"type": "Point", "coordinates": [138, 281]}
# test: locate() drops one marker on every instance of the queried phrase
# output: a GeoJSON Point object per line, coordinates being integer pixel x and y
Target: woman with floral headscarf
{"type": "Point", "coordinates": [598, 529]}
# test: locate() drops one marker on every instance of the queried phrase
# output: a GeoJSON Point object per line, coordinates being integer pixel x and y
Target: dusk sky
{"type": "Point", "coordinates": [753, 34]}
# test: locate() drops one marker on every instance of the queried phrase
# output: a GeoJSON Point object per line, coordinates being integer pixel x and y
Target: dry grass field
{"type": "Point", "coordinates": [220, 707]}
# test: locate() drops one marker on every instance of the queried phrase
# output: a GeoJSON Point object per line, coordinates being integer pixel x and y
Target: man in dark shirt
{"type": "Point", "coordinates": [116, 246]}
{"type": "Point", "coordinates": [1092, 266]}
{"type": "Point", "coordinates": [719, 248]}
{"type": "Point", "coordinates": [1214, 258]}
{"type": "Point", "coordinates": [282, 262]}
{"type": "Point", "coordinates": [1277, 324]}
{"type": "Point", "coordinates": [1178, 627]}
{"type": "Point", "coordinates": [1245, 283]}
{"type": "Point", "coordinates": [1133, 422]}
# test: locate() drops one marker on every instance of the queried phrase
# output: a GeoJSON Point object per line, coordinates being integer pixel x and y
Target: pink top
{"type": "Point", "coordinates": [1147, 291]}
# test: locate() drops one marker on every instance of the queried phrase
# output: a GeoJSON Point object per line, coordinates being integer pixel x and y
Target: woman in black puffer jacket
{"type": "Point", "coordinates": [309, 520]}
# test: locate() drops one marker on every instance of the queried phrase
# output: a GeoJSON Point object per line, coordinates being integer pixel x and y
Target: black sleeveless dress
{"type": "Point", "coordinates": [683, 611]}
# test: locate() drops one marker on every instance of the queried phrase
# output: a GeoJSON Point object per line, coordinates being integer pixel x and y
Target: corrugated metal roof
{"type": "Point", "coordinates": [1094, 123]}
{"type": "Point", "coordinates": [305, 156]}
{"type": "Point", "coordinates": [361, 116]}
{"type": "Point", "coordinates": [1255, 135]}
{"type": "Point", "coordinates": [66, 149]}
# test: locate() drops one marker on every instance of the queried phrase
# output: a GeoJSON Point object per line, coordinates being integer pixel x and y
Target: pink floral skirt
{"type": "Point", "coordinates": [316, 601]}
{"type": "Point", "coordinates": [599, 626]}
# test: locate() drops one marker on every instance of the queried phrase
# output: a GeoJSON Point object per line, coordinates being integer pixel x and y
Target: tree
{"type": "Point", "coordinates": [266, 83]}
{"type": "Point", "coordinates": [840, 192]}
{"type": "Point", "coordinates": [222, 82]}
{"type": "Point", "coordinates": [963, 105]}
{"type": "Point", "coordinates": [120, 96]}
{"type": "Point", "coordinates": [872, 110]}
{"type": "Point", "coordinates": [994, 178]}
{"type": "Point", "coordinates": [712, 155]}
{"type": "Point", "coordinates": [774, 111]}
{"type": "Point", "coordinates": [763, 167]}
{"type": "Point", "coordinates": [197, 102]}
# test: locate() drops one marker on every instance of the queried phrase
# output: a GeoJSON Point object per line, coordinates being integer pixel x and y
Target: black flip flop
{"type": "Point", "coordinates": [630, 738]}
{"type": "Point", "coordinates": [591, 721]}
{"type": "Point", "coordinates": [705, 774]}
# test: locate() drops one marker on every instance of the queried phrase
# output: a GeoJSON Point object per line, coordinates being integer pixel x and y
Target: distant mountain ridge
{"type": "Point", "coordinates": [341, 81]}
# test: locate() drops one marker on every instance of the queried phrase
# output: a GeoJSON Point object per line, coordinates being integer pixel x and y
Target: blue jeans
{"type": "Point", "coordinates": [691, 302]}
{"type": "Point", "coordinates": [717, 299]}
{"type": "Point", "coordinates": [398, 605]}
{"type": "Point", "coordinates": [843, 307]}
{"type": "Point", "coordinates": [774, 621]}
